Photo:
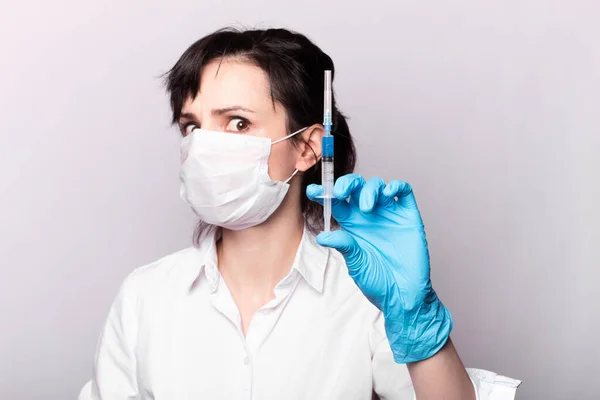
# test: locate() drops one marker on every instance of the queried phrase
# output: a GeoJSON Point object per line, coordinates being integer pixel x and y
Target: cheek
{"type": "Point", "coordinates": [282, 161]}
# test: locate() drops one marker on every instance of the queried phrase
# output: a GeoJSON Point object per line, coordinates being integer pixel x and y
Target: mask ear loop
{"type": "Point", "coordinates": [290, 135]}
{"type": "Point", "coordinates": [286, 138]}
{"type": "Point", "coordinates": [290, 178]}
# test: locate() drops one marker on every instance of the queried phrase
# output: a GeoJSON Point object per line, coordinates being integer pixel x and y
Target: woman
{"type": "Point", "coordinates": [261, 308]}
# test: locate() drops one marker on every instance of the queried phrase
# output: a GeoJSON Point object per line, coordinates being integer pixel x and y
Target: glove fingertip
{"type": "Point", "coordinates": [313, 190]}
{"type": "Point", "coordinates": [313, 187]}
{"type": "Point", "coordinates": [390, 189]}
{"type": "Point", "coordinates": [340, 193]}
{"type": "Point", "coordinates": [324, 239]}
{"type": "Point", "coordinates": [366, 205]}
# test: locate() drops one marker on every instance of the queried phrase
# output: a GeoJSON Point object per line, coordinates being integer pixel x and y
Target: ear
{"type": "Point", "coordinates": [310, 147]}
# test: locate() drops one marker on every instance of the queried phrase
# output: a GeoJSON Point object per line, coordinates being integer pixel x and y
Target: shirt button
{"type": "Point", "coordinates": [246, 361]}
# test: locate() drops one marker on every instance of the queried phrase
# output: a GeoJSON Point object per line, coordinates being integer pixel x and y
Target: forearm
{"type": "Point", "coordinates": [441, 376]}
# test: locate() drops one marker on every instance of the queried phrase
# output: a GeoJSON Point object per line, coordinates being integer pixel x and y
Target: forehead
{"type": "Point", "coordinates": [231, 82]}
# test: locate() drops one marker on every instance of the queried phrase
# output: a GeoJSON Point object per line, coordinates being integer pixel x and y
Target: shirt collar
{"type": "Point", "coordinates": [310, 260]}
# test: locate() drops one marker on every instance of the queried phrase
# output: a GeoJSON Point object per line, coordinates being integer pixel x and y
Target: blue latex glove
{"type": "Point", "coordinates": [383, 242]}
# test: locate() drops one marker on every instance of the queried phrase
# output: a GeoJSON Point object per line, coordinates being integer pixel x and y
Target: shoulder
{"type": "Point", "coordinates": [169, 272]}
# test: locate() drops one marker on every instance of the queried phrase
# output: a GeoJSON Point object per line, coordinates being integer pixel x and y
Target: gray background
{"type": "Point", "coordinates": [490, 109]}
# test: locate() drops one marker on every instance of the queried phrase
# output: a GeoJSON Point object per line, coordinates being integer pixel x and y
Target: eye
{"type": "Point", "coordinates": [188, 127]}
{"type": "Point", "coordinates": [238, 124]}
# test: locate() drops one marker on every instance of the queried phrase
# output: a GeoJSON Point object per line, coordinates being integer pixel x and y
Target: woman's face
{"type": "Point", "coordinates": [235, 97]}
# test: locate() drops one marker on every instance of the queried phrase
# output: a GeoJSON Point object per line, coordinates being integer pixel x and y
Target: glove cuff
{"type": "Point", "coordinates": [421, 333]}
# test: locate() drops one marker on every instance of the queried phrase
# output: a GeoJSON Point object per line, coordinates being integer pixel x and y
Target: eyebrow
{"type": "Point", "coordinates": [216, 111]}
{"type": "Point", "coordinates": [220, 111]}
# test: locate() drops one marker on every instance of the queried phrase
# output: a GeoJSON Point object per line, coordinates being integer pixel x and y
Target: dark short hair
{"type": "Point", "coordinates": [295, 68]}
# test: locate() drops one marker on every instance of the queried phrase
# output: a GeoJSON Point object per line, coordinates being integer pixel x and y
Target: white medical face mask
{"type": "Point", "coordinates": [225, 178]}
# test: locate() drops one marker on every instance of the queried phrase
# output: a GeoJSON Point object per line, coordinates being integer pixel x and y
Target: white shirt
{"type": "Point", "coordinates": [174, 333]}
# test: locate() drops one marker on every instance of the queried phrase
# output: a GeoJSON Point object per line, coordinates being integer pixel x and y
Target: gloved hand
{"type": "Point", "coordinates": [383, 242]}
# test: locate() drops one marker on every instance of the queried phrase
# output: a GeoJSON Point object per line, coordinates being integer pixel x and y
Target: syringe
{"type": "Point", "coordinates": [327, 156]}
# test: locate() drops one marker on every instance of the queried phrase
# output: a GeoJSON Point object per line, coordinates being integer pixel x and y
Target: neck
{"type": "Point", "coordinates": [252, 261]}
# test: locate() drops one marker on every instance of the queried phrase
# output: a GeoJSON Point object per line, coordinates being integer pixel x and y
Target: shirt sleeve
{"type": "Point", "coordinates": [115, 375]}
{"type": "Point", "coordinates": [391, 381]}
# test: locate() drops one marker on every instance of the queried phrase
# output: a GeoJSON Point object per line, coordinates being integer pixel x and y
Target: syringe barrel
{"type": "Point", "coordinates": [327, 182]}
{"type": "Point", "coordinates": [327, 177]}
